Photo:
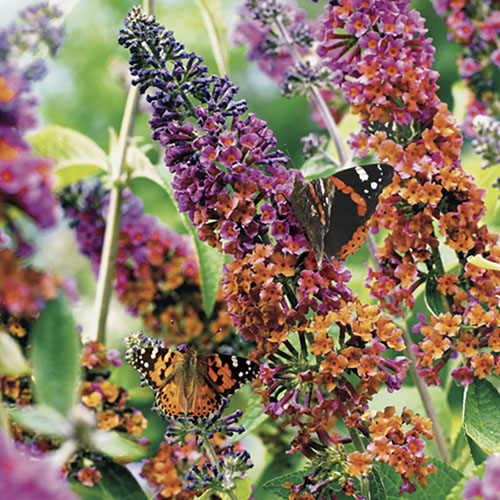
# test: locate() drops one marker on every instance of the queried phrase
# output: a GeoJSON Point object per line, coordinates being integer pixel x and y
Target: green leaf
{"type": "Point", "coordinates": [210, 259]}
{"type": "Point", "coordinates": [169, 211]}
{"type": "Point", "coordinates": [243, 488]}
{"type": "Point", "coordinates": [252, 417]}
{"type": "Point", "coordinates": [461, 96]}
{"type": "Point", "coordinates": [213, 17]}
{"type": "Point", "coordinates": [433, 298]}
{"type": "Point", "coordinates": [12, 361]}
{"type": "Point", "coordinates": [43, 420]}
{"type": "Point", "coordinates": [116, 483]}
{"type": "Point", "coordinates": [56, 356]}
{"type": "Point", "coordinates": [116, 445]}
{"type": "Point", "coordinates": [477, 454]}
{"type": "Point", "coordinates": [482, 415]}
{"type": "Point", "coordinates": [275, 485]}
{"type": "Point", "coordinates": [480, 261]}
{"type": "Point", "coordinates": [377, 488]}
{"type": "Point", "coordinates": [211, 262]}
{"type": "Point", "coordinates": [458, 446]}
{"type": "Point", "coordinates": [317, 166]}
{"type": "Point", "coordinates": [439, 484]}
{"type": "Point", "coordinates": [76, 156]}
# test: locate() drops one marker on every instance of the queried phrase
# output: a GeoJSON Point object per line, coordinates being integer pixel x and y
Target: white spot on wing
{"type": "Point", "coordinates": [363, 174]}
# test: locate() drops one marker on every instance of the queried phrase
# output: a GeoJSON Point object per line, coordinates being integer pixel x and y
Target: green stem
{"type": "Point", "coordinates": [113, 219]}
{"type": "Point", "coordinates": [331, 126]}
{"type": "Point", "coordinates": [213, 460]}
{"type": "Point", "coordinates": [358, 445]}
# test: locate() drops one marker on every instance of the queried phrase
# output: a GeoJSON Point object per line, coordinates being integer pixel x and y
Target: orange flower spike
{"type": "Point", "coordinates": [468, 344]}
{"type": "Point", "coordinates": [109, 391]}
{"type": "Point", "coordinates": [380, 449]}
{"type": "Point", "coordinates": [367, 367]}
{"type": "Point", "coordinates": [360, 464]}
{"type": "Point", "coordinates": [135, 424]}
{"type": "Point", "coordinates": [447, 284]}
{"type": "Point", "coordinates": [333, 364]}
{"type": "Point", "coordinates": [352, 355]}
{"type": "Point", "coordinates": [90, 397]}
{"type": "Point", "coordinates": [390, 152]}
{"type": "Point", "coordinates": [477, 316]}
{"type": "Point", "coordinates": [107, 419]}
{"type": "Point", "coordinates": [435, 346]}
{"type": "Point", "coordinates": [494, 340]}
{"type": "Point", "coordinates": [448, 324]}
{"type": "Point", "coordinates": [322, 344]}
{"type": "Point", "coordinates": [483, 364]}
{"type": "Point", "coordinates": [285, 263]}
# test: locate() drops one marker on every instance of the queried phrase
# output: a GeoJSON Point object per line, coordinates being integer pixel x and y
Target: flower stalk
{"type": "Point", "coordinates": [323, 108]}
{"type": "Point", "coordinates": [108, 256]}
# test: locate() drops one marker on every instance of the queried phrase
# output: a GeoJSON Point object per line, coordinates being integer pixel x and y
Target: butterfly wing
{"type": "Point", "coordinates": [311, 204]}
{"type": "Point", "coordinates": [204, 401]}
{"type": "Point", "coordinates": [226, 373]}
{"type": "Point", "coordinates": [171, 399]}
{"type": "Point", "coordinates": [162, 368]}
{"type": "Point", "coordinates": [356, 197]}
{"type": "Point", "coordinates": [182, 391]}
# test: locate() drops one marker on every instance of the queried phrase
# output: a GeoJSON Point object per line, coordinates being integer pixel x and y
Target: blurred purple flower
{"type": "Point", "coordinates": [487, 488]}
{"type": "Point", "coordinates": [25, 477]}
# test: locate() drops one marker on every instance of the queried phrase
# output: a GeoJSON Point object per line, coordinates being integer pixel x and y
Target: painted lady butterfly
{"type": "Point", "coordinates": [190, 384]}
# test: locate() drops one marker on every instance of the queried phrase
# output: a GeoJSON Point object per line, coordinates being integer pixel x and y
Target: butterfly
{"type": "Point", "coordinates": [191, 384]}
{"type": "Point", "coordinates": [333, 211]}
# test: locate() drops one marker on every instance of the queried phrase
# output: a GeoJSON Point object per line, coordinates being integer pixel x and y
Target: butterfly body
{"type": "Point", "coordinates": [191, 384]}
{"type": "Point", "coordinates": [333, 211]}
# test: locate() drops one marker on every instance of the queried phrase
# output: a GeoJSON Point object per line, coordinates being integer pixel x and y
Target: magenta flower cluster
{"type": "Point", "coordinates": [148, 252]}
{"type": "Point", "coordinates": [475, 25]}
{"type": "Point", "coordinates": [25, 180]}
{"type": "Point", "coordinates": [487, 488]}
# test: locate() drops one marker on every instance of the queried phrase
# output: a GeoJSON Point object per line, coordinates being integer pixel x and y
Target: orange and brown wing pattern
{"type": "Point", "coordinates": [188, 385]}
{"type": "Point", "coordinates": [228, 373]}
{"type": "Point", "coordinates": [205, 401]}
{"type": "Point", "coordinates": [171, 399]}
{"type": "Point", "coordinates": [156, 364]}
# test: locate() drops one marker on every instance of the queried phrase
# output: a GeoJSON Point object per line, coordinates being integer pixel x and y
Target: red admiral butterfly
{"type": "Point", "coordinates": [334, 211]}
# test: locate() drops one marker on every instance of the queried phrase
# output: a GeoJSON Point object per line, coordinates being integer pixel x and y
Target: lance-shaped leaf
{"type": "Point", "coordinates": [55, 356]}
{"type": "Point", "coordinates": [12, 360]}
{"type": "Point", "coordinates": [210, 259]}
{"type": "Point", "coordinates": [76, 156]}
{"type": "Point", "coordinates": [213, 17]}
{"type": "Point", "coordinates": [482, 415]}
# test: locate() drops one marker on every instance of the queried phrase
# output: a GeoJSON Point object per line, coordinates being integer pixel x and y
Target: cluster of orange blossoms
{"type": "Point", "coordinates": [107, 400]}
{"type": "Point", "coordinates": [168, 468]}
{"type": "Point", "coordinates": [432, 203]}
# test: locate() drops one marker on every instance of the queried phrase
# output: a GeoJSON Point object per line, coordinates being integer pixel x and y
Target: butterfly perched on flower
{"type": "Point", "coordinates": [190, 384]}
{"type": "Point", "coordinates": [333, 211]}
